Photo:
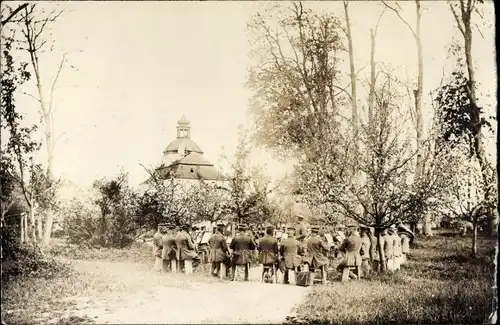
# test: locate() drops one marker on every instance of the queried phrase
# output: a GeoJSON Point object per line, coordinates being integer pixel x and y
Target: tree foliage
{"type": "Point", "coordinates": [295, 82]}
{"type": "Point", "coordinates": [458, 118]}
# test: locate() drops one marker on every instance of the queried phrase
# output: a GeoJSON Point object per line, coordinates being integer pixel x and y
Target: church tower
{"type": "Point", "coordinates": [183, 128]}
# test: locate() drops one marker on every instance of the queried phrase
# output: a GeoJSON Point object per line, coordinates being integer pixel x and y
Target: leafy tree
{"type": "Point", "coordinates": [471, 199]}
{"type": "Point", "coordinates": [297, 97]}
{"type": "Point", "coordinates": [165, 199]}
{"type": "Point", "coordinates": [248, 187]}
{"type": "Point", "coordinates": [208, 201]}
{"type": "Point", "coordinates": [389, 193]}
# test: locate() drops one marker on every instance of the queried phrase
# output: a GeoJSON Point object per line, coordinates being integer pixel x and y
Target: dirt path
{"type": "Point", "coordinates": [136, 295]}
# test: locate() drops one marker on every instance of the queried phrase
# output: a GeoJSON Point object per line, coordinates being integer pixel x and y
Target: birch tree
{"type": "Point", "coordinates": [34, 27]}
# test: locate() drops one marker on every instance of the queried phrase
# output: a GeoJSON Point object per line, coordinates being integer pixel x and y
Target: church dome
{"type": "Point", "coordinates": [183, 121]}
{"type": "Point", "coordinates": [189, 146]}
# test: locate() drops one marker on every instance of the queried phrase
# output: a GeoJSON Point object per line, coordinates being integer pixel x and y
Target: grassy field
{"type": "Point", "coordinates": [440, 284]}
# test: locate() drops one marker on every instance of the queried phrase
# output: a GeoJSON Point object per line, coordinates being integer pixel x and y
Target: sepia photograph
{"type": "Point", "coordinates": [248, 162]}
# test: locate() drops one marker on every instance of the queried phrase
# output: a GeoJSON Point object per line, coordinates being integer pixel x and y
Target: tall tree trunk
{"type": "Point", "coordinates": [464, 25]}
{"type": "Point", "coordinates": [21, 227]}
{"type": "Point", "coordinates": [355, 115]}
{"type": "Point", "coordinates": [371, 94]}
{"type": "Point", "coordinates": [32, 222]}
{"type": "Point", "coordinates": [474, 238]}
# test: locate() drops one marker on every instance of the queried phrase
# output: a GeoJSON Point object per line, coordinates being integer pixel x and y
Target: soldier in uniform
{"type": "Point", "coordinates": [351, 248]}
{"type": "Point", "coordinates": [242, 246]}
{"type": "Point", "coordinates": [169, 250]}
{"type": "Point", "coordinates": [405, 245]}
{"type": "Point", "coordinates": [185, 247]}
{"type": "Point", "coordinates": [397, 249]}
{"type": "Point", "coordinates": [388, 249]}
{"type": "Point", "coordinates": [268, 251]}
{"type": "Point", "coordinates": [365, 249]}
{"type": "Point", "coordinates": [158, 246]}
{"type": "Point", "coordinates": [290, 253]}
{"type": "Point", "coordinates": [301, 230]}
{"type": "Point", "coordinates": [316, 253]}
{"type": "Point", "coordinates": [218, 249]}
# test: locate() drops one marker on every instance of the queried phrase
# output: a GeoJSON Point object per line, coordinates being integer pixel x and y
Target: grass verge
{"type": "Point", "coordinates": [440, 284]}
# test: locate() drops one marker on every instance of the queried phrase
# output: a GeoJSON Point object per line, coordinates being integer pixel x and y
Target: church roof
{"type": "Point", "coordinates": [183, 121]}
{"type": "Point", "coordinates": [192, 166]}
{"type": "Point", "coordinates": [189, 145]}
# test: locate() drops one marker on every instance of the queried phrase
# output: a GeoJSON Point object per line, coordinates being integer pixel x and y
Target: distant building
{"type": "Point", "coordinates": [183, 161]}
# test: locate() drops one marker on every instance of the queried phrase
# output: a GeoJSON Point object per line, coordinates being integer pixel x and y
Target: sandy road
{"type": "Point", "coordinates": [136, 295]}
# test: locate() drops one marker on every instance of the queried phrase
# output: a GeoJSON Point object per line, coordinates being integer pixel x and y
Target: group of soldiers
{"type": "Point", "coordinates": [301, 252]}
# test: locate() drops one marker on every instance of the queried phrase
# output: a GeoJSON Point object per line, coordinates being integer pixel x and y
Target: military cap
{"type": "Point", "coordinates": [242, 226]}
{"type": "Point", "coordinates": [315, 229]}
{"type": "Point", "coordinates": [300, 216]}
{"type": "Point", "coordinates": [269, 227]}
{"type": "Point", "coordinates": [220, 224]}
{"type": "Point", "coordinates": [352, 225]}
{"type": "Point", "coordinates": [291, 228]}
{"type": "Point", "coordinates": [162, 224]}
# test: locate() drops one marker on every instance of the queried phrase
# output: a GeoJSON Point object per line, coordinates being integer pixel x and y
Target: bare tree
{"type": "Point", "coordinates": [463, 13]}
{"type": "Point", "coordinates": [416, 32]}
{"type": "Point", "coordinates": [34, 26]}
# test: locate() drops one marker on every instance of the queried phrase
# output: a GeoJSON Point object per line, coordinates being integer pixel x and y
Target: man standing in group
{"type": "Point", "coordinates": [158, 247]}
{"type": "Point", "coordinates": [302, 230]}
{"type": "Point", "coordinates": [316, 254]}
{"type": "Point", "coordinates": [365, 251]}
{"type": "Point", "coordinates": [352, 258]}
{"type": "Point", "coordinates": [242, 246]}
{"type": "Point", "coordinates": [169, 250]}
{"type": "Point", "coordinates": [268, 252]}
{"type": "Point", "coordinates": [396, 249]}
{"type": "Point", "coordinates": [185, 247]}
{"type": "Point", "coordinates": [290, 254]}
{"type": "Point", "coordinates": [218, 250]}
{"type": "Point", "coordinates": [388, 249]}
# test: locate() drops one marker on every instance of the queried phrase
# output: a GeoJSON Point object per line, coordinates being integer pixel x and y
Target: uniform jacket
{"type": "Point", "coordinates": [301, 232]}
{"type": "Point", "coordinates": [366, 244]}
{"type": "Point", "coordinates": [185, 246]}
{"type": "Point", "coordinates": [388, 246]}
{"type": "Point", "coordinates": [268, 250]}
{"type": "Point", "coordinates": [169, 251]}
{"type": "Point", "coordinates": [351, 246]}
{"type": "Point", "coordinates": [405, 243]}
{"type": "Point", "coordinates": [242, 246]}
{"type": "Point", "coordinates": [157, 244]}
{"type": "Point", "coordinates": [290, 250]}
{"type": "Point", "coordinates": [218, 248]}
{"type": "Point", "coordinates": [373, 247]}
{"type": "Point", "coordinates": [316, 248]}
{"type": "Point", "coordinates": [397, 245]}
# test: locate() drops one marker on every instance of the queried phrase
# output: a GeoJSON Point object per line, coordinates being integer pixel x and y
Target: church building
{"type": "Point", "coordinates": [184, 159]}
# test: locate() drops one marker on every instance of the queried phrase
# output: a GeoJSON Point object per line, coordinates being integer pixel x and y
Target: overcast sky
{"type": "Point", "coordinates": [141, 65]}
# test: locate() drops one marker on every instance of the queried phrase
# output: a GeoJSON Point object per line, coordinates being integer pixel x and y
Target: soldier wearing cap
{"type": "Point", "coordinates": [158, 246]}
{"type": "Point", "coordinates": [301, 230]}
{"type": "Point", "coordinates": [242, 246]}
{"type": "Point", "coordinates": [268, 252]}
{"type": "Point", "coordinates": [397, 248]}
{"type": "Point", "coordinates": [352, 257]}
{"type": "Point", "coordinates": [290, 254]}
{"type": "Point", "coordinates": [388, 249]}
{"type": "Point", "coordinates": [316, 257]}
{"type": "Point", "coordinates": [219, 251]}
{"type": "Point", "coordinates": [169, 250]}
{"type": "Point", "coordinates": [406, 237]}
{"type": "Point", "coordinates": [185, 247]}
{"type": "Point", "coordinates": [365, 251]}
